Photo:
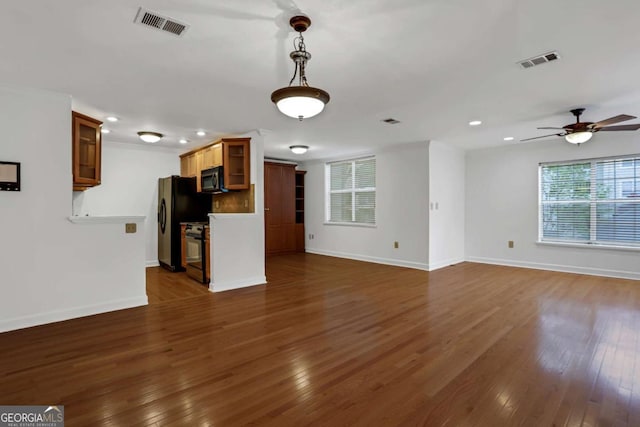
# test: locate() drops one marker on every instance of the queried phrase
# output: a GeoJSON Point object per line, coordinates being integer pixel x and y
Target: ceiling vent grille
{"type": "Point", "coordinates": [540, 59]}
{"type": "Point", "coordinates": [154, 20]}
{"type": "Point", "coordinates": [390, 121]}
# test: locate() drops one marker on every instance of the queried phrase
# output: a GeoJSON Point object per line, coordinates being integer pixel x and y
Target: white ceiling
{"type": "Point", "coordinates": [432, 64]}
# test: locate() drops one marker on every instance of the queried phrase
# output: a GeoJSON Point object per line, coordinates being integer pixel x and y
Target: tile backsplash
{"type": "Point", "coordinates": [242, 201]}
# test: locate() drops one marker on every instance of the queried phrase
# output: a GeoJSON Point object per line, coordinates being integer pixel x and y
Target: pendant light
{"type": "Point", "coordinates": [301, 101]}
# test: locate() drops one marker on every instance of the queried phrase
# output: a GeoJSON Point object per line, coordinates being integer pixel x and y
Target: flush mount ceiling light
{"type": "Point", "coordinates": [578, 137]}
{"type": "Point", "coordinates": [299, 149]}
{"type": "Point", "coordinates": [301, 101]}
{"type": "Point", "coordinates": [475, 123]}
{"type": "Point", "coordinates": [150, 137]}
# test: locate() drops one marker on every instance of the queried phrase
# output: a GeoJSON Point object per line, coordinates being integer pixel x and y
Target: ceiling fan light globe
{"type": "Point", "coordinates": [578, 137]}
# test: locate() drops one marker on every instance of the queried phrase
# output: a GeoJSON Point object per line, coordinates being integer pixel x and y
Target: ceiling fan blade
{"type": "Point", "coordinates": [621, 127]}
{"type": "Point", "coordinates": [545, 136]}
{"type": "Point", "coordinates": [612, 120]}
{"type": "Point", "coordinates": [549, 128]}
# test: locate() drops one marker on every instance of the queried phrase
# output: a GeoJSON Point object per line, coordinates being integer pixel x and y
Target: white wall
{"type": "Point", "coordinates": [446, 207]}
{"type": "Point", "coordinates": [402, 196]}
{"type": "Point", "coordinates": [53, 269]}
{"type": "Point", "coordinates": [502, 205]}
{"type": "Point", "coordinates": [130, 187]}
{"type": "Point", "coordinates": [237, 240]}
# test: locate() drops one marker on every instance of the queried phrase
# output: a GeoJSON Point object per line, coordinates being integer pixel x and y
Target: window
{"type": "Point", "coordinates": [351, 191]}
{"type": "Point", "coordinates": [591, 201]}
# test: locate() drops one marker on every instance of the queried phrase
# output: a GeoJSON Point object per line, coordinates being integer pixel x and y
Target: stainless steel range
{"type": "Point", "coordinates": [196, 251]}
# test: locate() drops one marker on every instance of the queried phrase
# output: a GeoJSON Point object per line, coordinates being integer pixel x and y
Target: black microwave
{"type": "Point", "coordinates": [212, 180]}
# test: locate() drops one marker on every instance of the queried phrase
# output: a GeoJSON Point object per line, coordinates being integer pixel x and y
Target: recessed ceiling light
{"type": "Point", "coordinates": [475, 123]}
{"type": "Point", "coordinates": [201, 133]}
{"type": "Point", "coordinates": [103, 130]}
{"type": "Point", "coordinates": [508, 138]}
{"type": "Point", "coordinates": [112, 119]}
{"type": "Point", "coordinates": [184, 141]}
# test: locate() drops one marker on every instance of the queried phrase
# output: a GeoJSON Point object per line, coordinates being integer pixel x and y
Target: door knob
{"type": "Point", "coordinates": [266, 209]}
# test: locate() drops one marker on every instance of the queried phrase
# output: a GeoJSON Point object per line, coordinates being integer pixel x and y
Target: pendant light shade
{"type": "Point", "coordinates": [578, 137]}
{"type": "Point", "coordinates": [301, 101]}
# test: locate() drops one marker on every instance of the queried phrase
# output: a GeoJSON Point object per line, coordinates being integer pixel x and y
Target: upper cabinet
{"type": "Point", "coordinates": [235, 153]}
{"type": "Point", "coordinates": [87, 151]}
{"type": "Point", "coordinates": [230, 153]}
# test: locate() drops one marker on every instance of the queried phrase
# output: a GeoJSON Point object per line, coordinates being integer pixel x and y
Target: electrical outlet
{"type": "Point", "coordinates": [130, 228]}
{"type": "Point", "coordinates": [396, 245]}
{"type": "Point", "coordinates": [510, 244]}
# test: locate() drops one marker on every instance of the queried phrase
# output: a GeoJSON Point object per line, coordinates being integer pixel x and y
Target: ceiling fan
{"type": "Point", "coordinates": [579, 132]}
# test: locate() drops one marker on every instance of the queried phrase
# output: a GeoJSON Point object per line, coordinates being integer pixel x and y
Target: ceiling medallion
{"type": "Point", "coordinates": [301, 101]}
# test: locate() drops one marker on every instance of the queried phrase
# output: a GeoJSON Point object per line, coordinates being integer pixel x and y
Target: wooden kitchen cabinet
{"type": "Point", "coordinates": [87, 151]}
{"type": "Point", "coordinates": [233, 154]}
{"type": "Point", "coordinates": [235, 162]}
{"type": "Point", "coordinates": [212, 156]}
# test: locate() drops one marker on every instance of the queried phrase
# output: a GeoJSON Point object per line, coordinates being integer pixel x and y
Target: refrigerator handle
{"type": "Point", "coordinates": [162, 215]}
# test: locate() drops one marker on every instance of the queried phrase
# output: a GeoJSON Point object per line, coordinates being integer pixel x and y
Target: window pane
{"type": "Point", "coordinates": [618, 222]}
{"type": "Point", "coordinates": [566, 182]}
{"type": "Point", "coordinates": [341, 207]}
{"type": "Point", "coordinates": [365, 173]}
{"type": "Point", "coordinates": [566, 221]}
{"type": "Point", "coordinates": [366, 207]}
{"type": "Point", "coordinates": [341, 176]}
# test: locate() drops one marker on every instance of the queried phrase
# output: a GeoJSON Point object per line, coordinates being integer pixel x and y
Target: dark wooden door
{"type": "Point", "coordinates": [279, 208]}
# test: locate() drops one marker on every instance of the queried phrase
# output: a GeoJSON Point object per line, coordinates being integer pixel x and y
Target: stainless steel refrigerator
{"type": "Point", "coordinates": [178, 202]}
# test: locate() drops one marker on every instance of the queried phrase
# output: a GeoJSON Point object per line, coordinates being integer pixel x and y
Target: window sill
{"type": "Point", "coordinates": [590, 246]}
{"type": "Point", "coordinates": [351, 224]}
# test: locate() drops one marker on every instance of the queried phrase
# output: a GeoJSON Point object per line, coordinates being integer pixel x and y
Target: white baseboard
{"type": "Point", "coordinates": [557, 267]}
{"type": "Point", "coordinates": [237, 284]}
{"type": "Point", "coordinates": [446, 263]}
{"type": "Point", "coordinates": [60, 315]}
{"type": "Point", "coordinates": [387, 261]}
{"type": "Point", "coordinates": [153, 263]}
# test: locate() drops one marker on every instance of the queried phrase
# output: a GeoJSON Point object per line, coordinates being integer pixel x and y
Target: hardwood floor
{"type": "Point", "coordinates": [338, 343]}
{"type": "Point", "coordinates": [164, 286]}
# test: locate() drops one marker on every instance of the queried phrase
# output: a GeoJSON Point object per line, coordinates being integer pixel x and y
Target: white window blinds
{"type": "Point", "coordinates": [591, 201]}
{"type": "Point", "coordinates": [352, 191]}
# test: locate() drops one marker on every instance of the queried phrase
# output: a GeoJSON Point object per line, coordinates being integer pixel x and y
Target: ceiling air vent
{"type": "Point", "coordinates": [154, 20]}
{"type": "Point", "coordinates": [540, 59]}
{"type": "Point", "coordinates": [391, 121]}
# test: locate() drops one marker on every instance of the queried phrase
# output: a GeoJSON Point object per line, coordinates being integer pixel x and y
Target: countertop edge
{"type": "Point", "coordinates": [232, 215]}
{"type": "Point", "coordinates": [105, 219]}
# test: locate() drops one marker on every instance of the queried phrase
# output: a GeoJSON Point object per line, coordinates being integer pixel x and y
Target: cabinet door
{"type": "Point", "coordinates": [279, 202]}
{"type": "Point", "coordinates": [199, 155]}
{"type": "Point", "coordinates": [87, 150]}
{"type": "Point", "coordinates": [207, 158]}
{"type": "Point", "coordinates": [235, 154]}
{"type": "Point", "coordinates": [191, 165]}
{"type": "Point", "coordinates": [216, 153]}
{"type": "Point", "coordinates": [184, 166]}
